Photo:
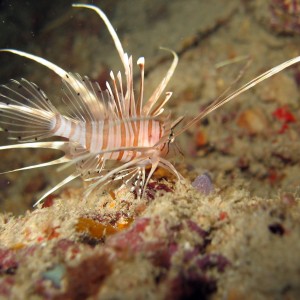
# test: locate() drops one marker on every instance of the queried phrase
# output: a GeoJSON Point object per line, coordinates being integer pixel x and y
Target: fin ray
{"type": "Point", "coordinates": [219, 102]}
{"type": "Point", "coordinates": [56, 187]}
{"type": "Point", "coordinates": [60, 160]}
{"type": "Point", "coordinates": [63, 146]}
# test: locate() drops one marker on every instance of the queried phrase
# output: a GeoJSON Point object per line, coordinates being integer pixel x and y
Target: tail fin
{"type": "Point", "coordinates": [25, 111]}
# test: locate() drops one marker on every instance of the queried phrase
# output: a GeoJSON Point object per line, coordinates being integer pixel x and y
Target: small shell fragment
{"type": "Point", "coordinates": [253, 121]}
{"type": "Point", "coordinates": [203, 184]}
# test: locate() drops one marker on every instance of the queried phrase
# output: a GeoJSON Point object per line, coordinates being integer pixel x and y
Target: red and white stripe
{"type": "Point", "coordinates": [110, 134]}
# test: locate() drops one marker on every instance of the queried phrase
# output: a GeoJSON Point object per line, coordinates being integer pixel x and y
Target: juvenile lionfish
{"type": "Point", "coordinates": [112, 135]}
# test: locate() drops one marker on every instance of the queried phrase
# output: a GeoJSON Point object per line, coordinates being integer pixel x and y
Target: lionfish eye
{"type": "Point", "coordinates": [171, 137]}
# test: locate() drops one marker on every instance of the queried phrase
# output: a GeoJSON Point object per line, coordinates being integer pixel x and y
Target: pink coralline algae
{"type": "Point", "coordinates": [131, 239]}
{"type": "Point", "coordinates": [154, 188]}
{"type": "Point", "coordinates": [195, 281]}
{"type": "Point", "coordinates": [285, 16]}
{"type": "Point", "coordinates": [8, 261]}
{"type": "Point", "coordinates": [186, 273]}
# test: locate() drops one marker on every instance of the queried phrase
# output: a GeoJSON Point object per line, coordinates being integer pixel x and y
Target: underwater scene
{"type": "Point", "coordinates": [150, 149]}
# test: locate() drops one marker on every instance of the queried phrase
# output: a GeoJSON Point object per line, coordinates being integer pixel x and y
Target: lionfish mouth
{"type": "Point", "coordinates": [112, 125]}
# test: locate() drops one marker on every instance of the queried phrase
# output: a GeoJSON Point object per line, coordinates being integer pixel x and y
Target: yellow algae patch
{"type": "Point", "coordinates": [99, 230]}
{"type": "Point", "coordinates": [94, 228]}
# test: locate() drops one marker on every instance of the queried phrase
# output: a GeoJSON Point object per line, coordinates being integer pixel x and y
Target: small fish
{"type": "Point", "coordinates": [112, 135]}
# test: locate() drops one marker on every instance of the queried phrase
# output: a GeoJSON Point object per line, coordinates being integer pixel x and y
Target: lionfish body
{"type": "Point", "coordinates": [101, 127]}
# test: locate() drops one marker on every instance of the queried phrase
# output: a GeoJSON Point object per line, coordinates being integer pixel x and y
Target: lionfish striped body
{"type": "Point", "coordinates": [101, 127]}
